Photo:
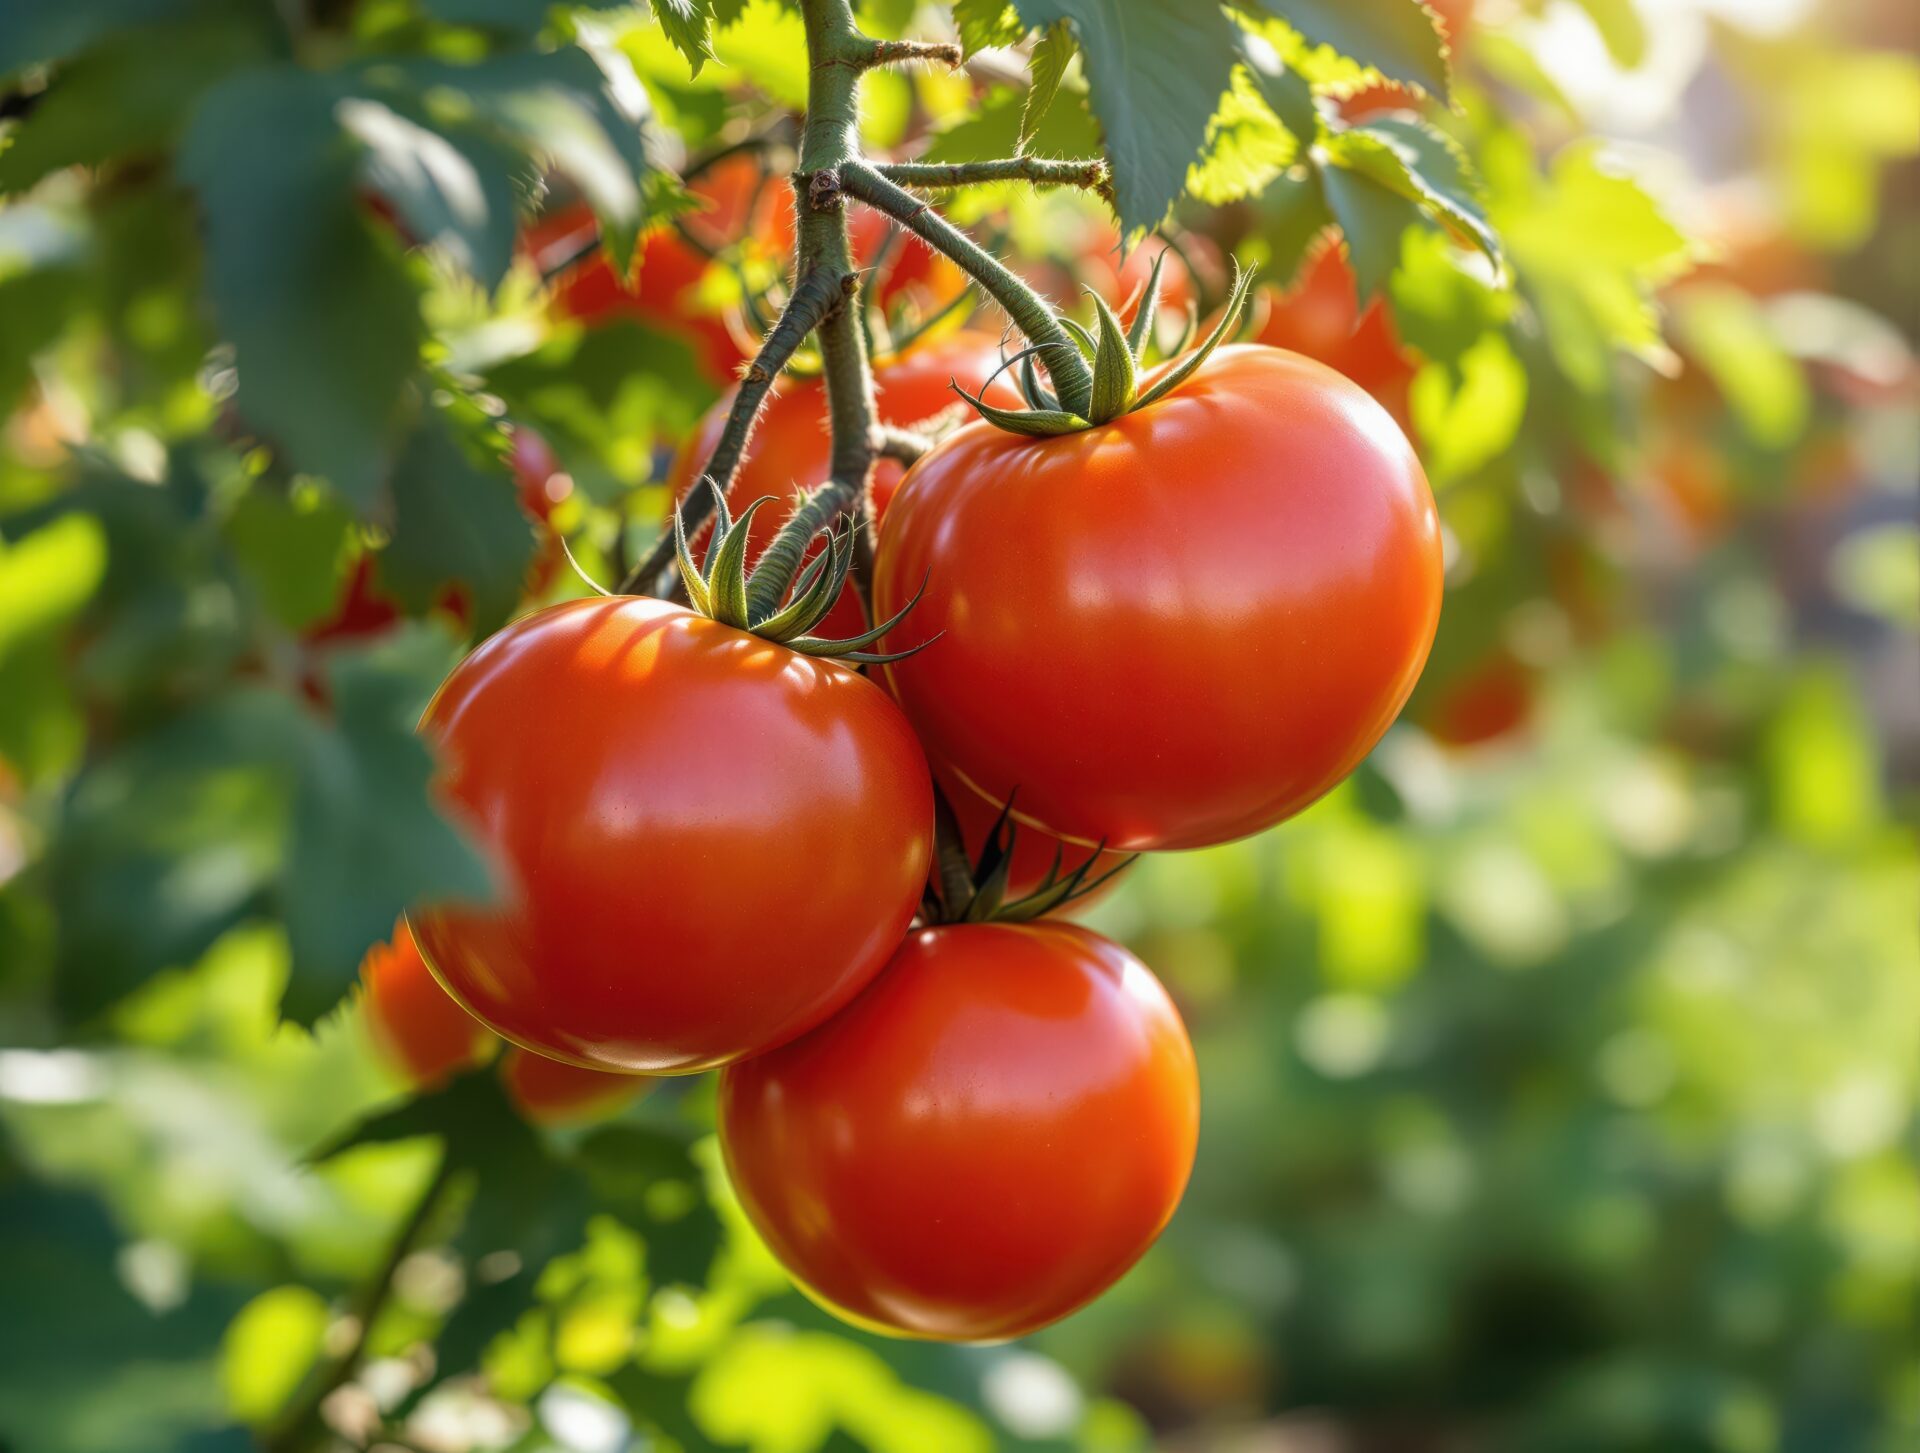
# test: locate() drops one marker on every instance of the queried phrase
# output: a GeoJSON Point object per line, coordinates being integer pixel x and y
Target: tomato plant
{"type": "Point", "coordinates": [1264, 524]}
{"type": "Point", "coordinates": [711, 843]}
{"type": "Point", "coordinates": [980, 1143]}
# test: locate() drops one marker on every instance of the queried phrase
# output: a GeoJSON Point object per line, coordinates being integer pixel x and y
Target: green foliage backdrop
{"type": "Point", "coordinates": [1560, 1079]}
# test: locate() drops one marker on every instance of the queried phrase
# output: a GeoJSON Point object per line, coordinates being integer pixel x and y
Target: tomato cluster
{"type": "Point", "coordinates": [1174, 619]}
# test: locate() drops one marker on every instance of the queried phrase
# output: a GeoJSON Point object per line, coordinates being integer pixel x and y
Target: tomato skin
{"type": "Point", "coordinates": [1320, 316]}
{"type": "Point", "coordinates": [1178, 628]}
{"type": "Point", "coordinates": [981, 1143]}
{"type": "Point", "coordinates": [548, 1092]}
{"type": "Point", "coordinates": [708, 842]}
{"type": "Point", "coordinates": [792, 449]}
{"type": "Point", "coordinates": [417, 1029]}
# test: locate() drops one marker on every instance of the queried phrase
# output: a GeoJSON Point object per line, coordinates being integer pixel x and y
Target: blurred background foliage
{"type": "Point", "coordinates": [1560, 1070]}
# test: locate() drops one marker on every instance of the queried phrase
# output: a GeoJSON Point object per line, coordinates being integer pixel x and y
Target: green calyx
{"type": "Point", "coordinates": [976, 892]}
{"type": "Point", "coordinates": [1117, 357]}
{"type": "Point", "coordinates": [777, 599]}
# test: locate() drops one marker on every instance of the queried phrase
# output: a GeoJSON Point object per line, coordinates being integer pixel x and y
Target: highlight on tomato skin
{"type": "Point", "coordinates": [1266, 524]}
{"type": "Point", "coordinates": [549, 1093]}
{"type": "Point", "coordinates": [981, 1143]}
{"type": "Point", "coordinates": [731, 844]}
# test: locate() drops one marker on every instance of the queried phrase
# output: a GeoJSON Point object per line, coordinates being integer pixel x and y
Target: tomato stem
{"type": "Point", "coordinates": [302, 1425]}
{"type": "Point", "coordinates": [1029, 311]}
{"type": "Point", "coordinates": [903, 446]}
{"type": "Point", "coordinates": [819, 293]}
{"type": "Point", "coordinates": [1088, 172]}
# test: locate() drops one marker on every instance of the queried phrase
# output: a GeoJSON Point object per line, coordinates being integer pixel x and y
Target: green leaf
{"type": "Point", "coordinates": [992, 129]}
{"type": "Point", "coordinates": [1401, 39]}
{"type": "Point", "coordinates": [1409, 156]}
{"type": "Point", "coordinates": [984, 24]}
{"type": "Point", "coordinates": [579, 111]}
{"type": "Point", "coordinates": [1468, 416]}
{"type": "Point", "coordinates": [114, 98]}
{"type": "Point", "coordinates": [323, 319]}
{"type": "Point", "coordinates": [453, 192]}
{"type": "Point", "coordinates": [1247, 146]}
{"type": "Point", "coordinates": [456, 520]}
{"type": "Point", "coordinates": [367, 839]}
{"type": "Point", "coordinates": [1373, 218]}
{"type": "Point", "coordinates": [268, 1349]}
{"type": "Point", "coordinates": [516, 17]}
{"type": "Point", "coordinates": [46, 578]}
{"type": "Point", "coordinates": [85, 1366]}
{"type": "Point", "coordinates": [1724, 330]}
{"type": "Point", "coordinates": [290, 546]}
{"type": "Point", "coordinates": [168, 842]}
{"type": "Point", "coordinates": [1294, 215]}
{"type": "Point", "coordinates": [1287, 92]}
{"type": "Point", "coordinates": [689, 25]}
{"type": "Point", "coordinates": [1156, 70]}
{"type": "Point", "coordinates": [1045, 71]}
{"type": "Point", "coordinates": [48, 30]}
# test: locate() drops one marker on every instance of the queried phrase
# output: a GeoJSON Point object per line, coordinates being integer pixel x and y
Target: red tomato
{"type": "Point", "coordinates": [791, 446]}
{"type": "Point", "coordinates": [547, 1092]}
{"type": "Point", "coordinates": [416, 1027]}
{"type": "Point", "coordinates": [979, 1144]}
{"type": "Point", "coordinates": [1492, 699]}
{"type": "Point", "coordinates": [662, 294]}
{"type": "Point", "coordinates": [1320, 316]}
{"type": "Point", "coordinates": [537, 475]}
{"type": "Point", "coordinates": [1033, 850]}
{"type": "Point", "coordinates": [1175, 629]}
{"type": "Point", "coordinates": [708, 842]}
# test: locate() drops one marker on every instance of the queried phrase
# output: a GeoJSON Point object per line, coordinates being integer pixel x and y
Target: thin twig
{"type": "Point", "coordinates": [1038, 170]}
{"type": "Point", "coordinates": [818, 295]}
{"type": "Point", "coordinates": [904, 445]}
{"type": "Point", "coordinates": [298, 1428]}
{"type": "Point", "coordinates": [1030, 313]}
{"type": "Point", "coordinates": [896, 52]}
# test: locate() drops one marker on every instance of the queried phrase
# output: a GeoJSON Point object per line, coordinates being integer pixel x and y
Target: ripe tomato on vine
{"type": "Point", "coordinates": [726, 851]}
{"type": "Point", "coordinates": [981, 1143]}
{"type": "Point", "coordinates": [1178, 626]}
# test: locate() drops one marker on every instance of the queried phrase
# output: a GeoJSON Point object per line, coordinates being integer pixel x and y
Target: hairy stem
{"type": "Point", "coordinates": [817, 295]}
{"type": "Point", "coordinates": [1072, 378]}
{"type": "Point", "coordinates": [829, 143]}
{"type": "Point", "coordinates": [1040, 171]}
{"type": "Point", "coordinates": [302, 1425]}
{"type": "Point", "coordinates": [902, 445]}
{"type": "Point", "coordinates": [896, 52]}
